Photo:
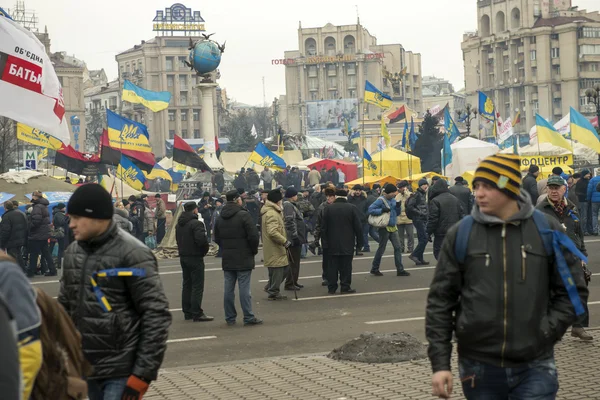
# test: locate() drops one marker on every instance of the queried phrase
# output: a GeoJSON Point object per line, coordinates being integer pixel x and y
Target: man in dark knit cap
{"type": "Point", "coordinates": [296, 233]}
{"type": "Point", "coordinates": [502, 293]}
{"type": "Point", "coordinates": [530, 183]}
{"type": "Point", "coordinates": [111, 289]}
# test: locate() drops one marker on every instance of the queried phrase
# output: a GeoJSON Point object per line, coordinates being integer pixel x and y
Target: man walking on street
{"type": "Point", "coordinates": [444, 211]}
{"type": "Point", "coordinates": [275, 243]}
{"type": "Point", "coordinates": [314, 177]}
{"type": "Point", "coordinates": [463, 194]}
{"type": "Point", "coordinates": [192, 244]}
{"type": "Point", "coordinates": [112, 291]}
{"type": "Point", "coordinates": [341, 229]}
{"type": "Point", "coordinates": [386, 204]}
{"type": "Point", "coordinates": [267, 177]}
{"type": "Point", "coordinates": [296, 234]}
{"type": "Point", "coordinates": [161, 218]}
{"type": "Point", "coordinates": [557, 206]}
{"type": "Point", "coordinates": [60, 223]}
{"type": "Point", "coordinates": [219, 181]}
{"type": "Point", "coordinates": [237, 235]}
{"type": "Point", "coordinates": [416, 210]}
{"type": "Point", "coordinates": [370, 230]}
{"type": "Point", "coordinates": [405, 225]}
{"type": "Point", "coordinates": [358, 199]}
{"type": "Point", "coordinates": [13, 233]}
{"type": "Point", "coordinates": [329, 199]}
{"type": "Point", "coordinates": [499, 289]}
{"type": "Point", "coordinates": [39, 233]}
{"type": "Point", "coordinates": [530, 183]}
{"type": "Point", "coordinates": [584, 206]}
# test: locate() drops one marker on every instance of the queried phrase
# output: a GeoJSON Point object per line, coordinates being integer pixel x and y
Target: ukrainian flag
{"type": "Point", "coordinates": [368, 163]}
{"type": "Point", "coordinates": [126, 134]}
{"type": "Point", "coordinates": [546, 133]}
{"type": "Point", "coordinates": [129, 173]}
{"type": "Point", "coordinates": [158, 172]}
{"type": "Point", "coordinates": [583, 131]}
{"type": "Point", "coordinates": [376, 96]}
{"type": "Point", "coordinates": [487, 110]}
{"type": "Point", "coordinates": [450, 127]}
{"type": "Point", "coordinates": [155, 101]}
{"type": "Point", "coordinates": [265, 157]}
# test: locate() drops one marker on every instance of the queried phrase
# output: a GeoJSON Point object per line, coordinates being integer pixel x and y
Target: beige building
{"type": "Point", "coordinates": [325, 79]}
{"type": "Point", "coordinates": [159, 65]}
{"type": "Point", "coordinates": [532, 56]}
{"type": "Point", "coordinates": [439, 92]}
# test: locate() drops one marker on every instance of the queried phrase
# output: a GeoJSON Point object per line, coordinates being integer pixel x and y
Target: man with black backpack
{"type": "Point", "coordinates": [507, 288]}
{"type": "Point", "coordinates": [416, 210]}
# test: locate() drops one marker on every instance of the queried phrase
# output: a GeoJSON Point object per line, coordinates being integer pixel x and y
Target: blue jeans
{"type": "Point", "coordinates": [243, 279]}
{"type": "Point", "coordinates": [107, 389]}
{"type": "Point", "coordinates": [369, 230]}
{"type": "Point", "coordinates": [422, 237]}
{"type": "Point", "coordinates": [595, 209]}
{"type": "Point", "coordinates": [537, 380]}
{"type": "Point", "coordinates": [393, 237]}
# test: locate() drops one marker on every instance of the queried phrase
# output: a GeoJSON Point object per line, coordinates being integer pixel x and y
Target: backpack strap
{"type": "Point", "coordinates": [543, 228]}
{"type": "Point", "coordinates": [462, 238]}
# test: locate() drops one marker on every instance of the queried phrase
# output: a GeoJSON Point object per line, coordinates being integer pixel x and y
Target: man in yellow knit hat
{"type": "Point", "coordinates": [498, 285]}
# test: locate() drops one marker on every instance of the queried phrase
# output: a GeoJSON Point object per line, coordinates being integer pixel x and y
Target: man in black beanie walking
{"type": "Point", "coordinates": [296, 234]}
{"type": "Point", "coordinates": [111, 289]}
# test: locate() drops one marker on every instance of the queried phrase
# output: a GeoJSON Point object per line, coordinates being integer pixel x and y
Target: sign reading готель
{"type": "Point", "coordinates": [545, 161]}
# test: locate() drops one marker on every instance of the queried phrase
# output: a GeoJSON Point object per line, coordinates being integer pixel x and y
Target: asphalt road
{"type": "Point", "coordinates": [317, 322]}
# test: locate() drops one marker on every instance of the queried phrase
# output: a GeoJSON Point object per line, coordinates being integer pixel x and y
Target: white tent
{"type": "Point", "coordinates": [467, 154]}
{"type": "Point", "coordinates": [308, 162]}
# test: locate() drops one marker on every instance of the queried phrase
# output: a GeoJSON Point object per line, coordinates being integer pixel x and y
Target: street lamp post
{"type": "Point", "coordinates": [468, 115]}
{"type": "Point", "coordinates": [593, 97]}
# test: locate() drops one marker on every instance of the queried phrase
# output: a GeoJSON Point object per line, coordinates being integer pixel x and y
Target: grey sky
{"type": "Point", "coordinates": [261, 30]}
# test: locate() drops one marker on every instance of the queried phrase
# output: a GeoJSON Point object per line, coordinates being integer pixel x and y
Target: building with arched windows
{"type": "Point", "coordinates": [533, 56]}
{"type": "Point", "coordinates": [325, 79]}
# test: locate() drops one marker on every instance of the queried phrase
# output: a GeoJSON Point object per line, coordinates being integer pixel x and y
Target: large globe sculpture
{"type": "Point", "coordinates": [205, 57]}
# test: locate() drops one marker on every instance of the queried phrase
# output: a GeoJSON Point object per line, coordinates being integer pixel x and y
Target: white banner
{"type": "Point", "coordinates": [435, 110]}
{"type": "Point", "coordinates": [505, 130]}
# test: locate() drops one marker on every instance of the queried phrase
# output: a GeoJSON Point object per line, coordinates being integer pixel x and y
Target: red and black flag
{"type": "Point", "coordinates": [184, 154]}
{"type": "Point", "coordinates": [398, 115]}
{"type": "Point", "coordinates": [80, 163]}
{"type": "Point", "coordinates": [217, 148]}
{"type": "Point", "coordinates": [112, 156]}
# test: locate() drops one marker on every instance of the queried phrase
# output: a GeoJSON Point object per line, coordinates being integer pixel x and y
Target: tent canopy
{"type": "Point", "coordinates": [370, 180]}
{"type": "Point", "coordinates": [414, 179]}
{"type": "Point", "coordinates": [350, 169]}
{"type": "Point", "coordinates": [393, 162]}
{"type": "Point", "coordinates": [467, 154]}
{"type": "Point", "coordinates": [234, 161]}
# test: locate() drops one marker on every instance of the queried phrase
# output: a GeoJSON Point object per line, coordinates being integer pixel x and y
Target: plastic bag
{"type": "Point", "coordinates": [151, 241]}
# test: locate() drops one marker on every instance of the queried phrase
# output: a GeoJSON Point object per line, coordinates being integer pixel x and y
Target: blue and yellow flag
{"type": "Point", "coordinates": [126, 134]}
{"type": "Point", "coordinates": [368, 163]}
{"type": "Point", "coordinates": [376, 96]}
{"type": "Point", "coordinates": [155, 101]}
{"type": "Point", "coordinates": [405, 140]}
{"type": "Point", "coordinates": [487, 110]}
{"type": "Point", "coordinates": [384, 132]}
{"type": "Point", "coordinates": [447, 153]}
{"type": "Point", "coordinates": [158, 172]}
{"type": "Point", "coordinates": [37, 137]}
{"type": "Point", "coordinates": [129, 173]}
{"type": "Point", "coordinates": [451, 130]}
{"type": "Point", "coordinates": [265, 157]}
{"type": "Point", "coordinates": [546, 133]}
{"type": "Point", "coordinates": [412, 138]}
{"type": "Point", "coordinates": [583, 131]}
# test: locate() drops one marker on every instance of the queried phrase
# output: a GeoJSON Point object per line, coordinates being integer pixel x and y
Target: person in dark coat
{"type": "Point", "coordinates": [240, 181]}
{"type": "Point", "coordinates": [530, 183]}
{"type": "Point", "coordinates": [111, 289]}
{"type": "Point", "coordinates": [39, 233]}
{"type": "Point", "coordinates": [295, 178]}
{"type": "Point", "coordinates": [358, 198]}
{"type": "Point", "coordinates": [416, 210]}
{"type": "Point", "coordinates": [219, 181]}
{"type": "Point", "coordinates": [463, 194]}
{"type": "Point", "coordinates": [61, 227]}
{"type": "Point", "coordinates": [136, 216]}
{"type": "Point", "coordinates": [296, 234]}
{"type": "Point", "coordinates": [444, 211]}
{"type": "Point", "coordinates": [329, 193]}
{"type": "Point", "coordinates": [341, 229]}
{"type": "Point", "coordinates": [237, 235]}
{"type": "Point", "coordinates": [205, 208]}
{"type": "Point", "coordinates": [192, 244]}
{"type": "Point", "coordinates": [252, 179]}
{"type": "Point", "coordinates": [253, 207]}
{"type": "Point", "coordinates": [584, 206]}
{"type": "Point", "coordinates": [318, 196]}
{"type": "Point", "coordinates": [13, 233]}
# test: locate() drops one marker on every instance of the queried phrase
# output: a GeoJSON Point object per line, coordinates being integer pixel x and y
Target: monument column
{"type": "Point", "coordinates": [207, 120]}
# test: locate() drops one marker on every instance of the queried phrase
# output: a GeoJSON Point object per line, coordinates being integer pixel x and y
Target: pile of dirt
{"type": "Point", "coordinates": [374, 348]}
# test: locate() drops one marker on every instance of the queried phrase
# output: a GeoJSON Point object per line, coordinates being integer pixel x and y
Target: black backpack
{"type": "Point", "coordinates": [410, 207]}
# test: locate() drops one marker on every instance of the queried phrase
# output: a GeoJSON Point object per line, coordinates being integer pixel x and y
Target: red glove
{"type": "Point", "coordinates": [135, 389]}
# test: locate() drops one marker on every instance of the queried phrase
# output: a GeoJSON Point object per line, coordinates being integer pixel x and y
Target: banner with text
{"type": "Point", "coordinates": [546, 161]}
{"type": "Point", "coordinates": [328, 119]}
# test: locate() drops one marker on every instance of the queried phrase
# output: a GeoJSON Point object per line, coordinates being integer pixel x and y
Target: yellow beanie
{"type": "Point", "coordinates": [502, 171]}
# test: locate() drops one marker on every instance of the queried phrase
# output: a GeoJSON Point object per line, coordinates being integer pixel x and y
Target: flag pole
{"type": "Point", "coordinates": [362, 140]}
{"type": "Point", "coordinates": [121, 148]}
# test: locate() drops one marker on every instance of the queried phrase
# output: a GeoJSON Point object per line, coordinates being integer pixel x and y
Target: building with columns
{"type": "Point", "coordinates": [532, 56]}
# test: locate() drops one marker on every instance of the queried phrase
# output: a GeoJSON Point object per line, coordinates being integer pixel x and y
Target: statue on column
{"type": "Point", "coordinates": [205, 57]}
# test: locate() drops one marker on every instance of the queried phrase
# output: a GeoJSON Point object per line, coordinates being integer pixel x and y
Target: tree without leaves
{"type": "Point", "coordinates": [8, 144]}
{"type": "Point", "coordinates": [429, 144]}
{"type": "Point", "coordinates": [237, 127]}
{"type": "Point", "coordinates": [94, 127]}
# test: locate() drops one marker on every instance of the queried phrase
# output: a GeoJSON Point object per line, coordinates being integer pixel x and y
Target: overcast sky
{"type": "Point", "coordinates": [260, 30]}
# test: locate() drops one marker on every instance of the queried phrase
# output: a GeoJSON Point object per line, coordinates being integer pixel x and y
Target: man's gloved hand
{"type": "Point", "coordinates": [136, 388]}
{"type": "Point", "coordinates": [287, 244]}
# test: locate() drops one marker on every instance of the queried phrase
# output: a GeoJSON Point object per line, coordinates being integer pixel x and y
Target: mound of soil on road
{"type": "Point", "coordinates": [376, 348]}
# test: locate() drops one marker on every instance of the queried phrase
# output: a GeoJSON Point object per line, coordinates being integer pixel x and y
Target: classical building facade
{"type": "Point", "coordinates": [532, 56]}
{"type": "Point", "coordinates": [325, 78]}
{"type": "Point", "coordinates": [439, 92]}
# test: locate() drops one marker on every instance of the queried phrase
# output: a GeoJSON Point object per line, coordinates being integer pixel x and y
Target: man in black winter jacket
{"type": "Point", "coordinates": [359, 199]}
{"type": "Point", "coordinates": [61, 227]}
{"type": "Point", "coordinates": [112, 291]}
{"type": "Point", "coordinates": [463, 194]}
{"type": "Point", "coordinates": [416, 210]}
{"type": "Point", "coordinates": [192, 244]}
{"type": "Point", "coordinates": [237, 235]}
{"type": "Point", "coordinates": [530, 183]}
{"type": "Point", "coordinates": [39, 233]}
{"type": "Point", "coordinates": [136, 216]}
{"type": "Point", "coordinates": [444, 211]}
{"type": "Point", "coordinates": [581, 188]}
{"type": "Point", "coordinates": [13, 233]}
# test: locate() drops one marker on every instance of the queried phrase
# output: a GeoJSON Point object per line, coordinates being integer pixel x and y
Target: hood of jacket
{"type": "Point", "coordinates": [122, 213]}
{"type": "Point", "coordinates": [186, 217]}
{"type": "Point", "coordinates": [230, 209]}
{"type": "Point", "coordinates": [43, 201]}
{"type": "Point", "coordinates": [525, 212]}
{"type": "Point", "coordinates": [268, 206]}
{"type": "Point", "coordinates": [438, 188]}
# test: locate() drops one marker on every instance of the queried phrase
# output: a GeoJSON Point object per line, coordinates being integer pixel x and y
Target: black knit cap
{"type": "Point", "coordinates": [190, 206]}
{"type": "Point", "coordinates": [232, 195]}
{"type": "Point", "coordinates": [290, 192]}
{"type": "Point", "coordinates": [91, 201]}
{"type": "Point", "coordinates": [390, 188]}
{"type": "Point", "coordinates": [275, 196]}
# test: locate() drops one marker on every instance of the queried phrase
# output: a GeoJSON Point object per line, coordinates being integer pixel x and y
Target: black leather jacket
{"type": "Point", "coordinates": [131, 338]}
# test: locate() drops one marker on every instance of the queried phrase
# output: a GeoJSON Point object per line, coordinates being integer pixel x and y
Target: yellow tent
{"type": "Point", "coordinates": [546, 171]}
{"type": "Point", "coordinates": [468, 176]}
{"type": "Point", "coordinates": [393, 162]}
{"type": "Point", "coordinates": [370, 180]}
{"type": "Point", "coordinates": [414, 179]}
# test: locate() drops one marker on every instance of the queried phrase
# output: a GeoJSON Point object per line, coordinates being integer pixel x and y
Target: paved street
{"type": "Point", "coordinates": [314, 324]}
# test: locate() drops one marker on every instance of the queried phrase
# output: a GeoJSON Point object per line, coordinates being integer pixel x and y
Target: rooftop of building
{"type": "Point", "coordinates": [561, 20]}
{"type": "Point", "coordinates": [138, 46]}
{"type": "Point", "coordinates": [112, 86]}
{"type": "Point", "coordinates": [61, 59]}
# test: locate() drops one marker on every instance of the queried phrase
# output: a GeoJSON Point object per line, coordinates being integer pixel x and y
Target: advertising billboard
{"type": "Point", "coordinates": [330, 119]}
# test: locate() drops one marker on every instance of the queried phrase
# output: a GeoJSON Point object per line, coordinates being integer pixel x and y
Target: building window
{"type": "Point", "coordinates": [590, 32]}
{"type": "Point", "coordinates": [313, 84]}
{"type": "Point", "coordinates": [170, 81]}
{"type": "Point", "coordinates": [588, 83]}
{"type": "Point", "coordinates": [194, 99]}
{"type": "Point", "coordinates": [594, 67]}
{"type": "Point", "coordinates": [182, 61]}
{"type": "Point", "coordinates": [184, 133]}
{"type": "Point", "coordinates": [331, 70]}
{"type": "Point", "coordinates": [313, 96]}
{"type": "Point", "coordinates": [351, 82]}
{"type": "Point", "coordinates": [196, 114]}
{"type": "Point", "coordinates": [332, 83]}
{"type": "Point", "coordinates": [196, 133]}
{"type": "Point", "coordinates": [535, 105]}
{"type": "Point", "coordinates": [351, 93]}
{"type": "Point", "coordinates": [171, 134]}
{"type": "Point", "coordinates": [312, 71]}
{"type": "Point", "coordinates": [183, 98]}
{"type": "Point", "coordinates": [554, 36]}
{"type": "Point", "coordinates": [183, 82]}
{"type": "Point", "coordinates": [332, 95]}
{"type": "Point", "coordinates": [555, 52]}
{"type": "Point", "coordinates": [589, 49]}
{"type": "Point", "coordinates": [532, 40]}
{"type": "Point", "coordinates": [184, 115]}
{"type": "Point", "coordinates": [533, 55]}
{"type": "Point", "coordinates": [169, 63]}
{"type": "Point", "coordinates": [351, 69]}
{"type": "Point", "coordinates": [171, 115]}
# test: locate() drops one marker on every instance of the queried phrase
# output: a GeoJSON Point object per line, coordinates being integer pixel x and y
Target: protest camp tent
{"type": "Point", "coordinates": [395, 162]}
{"type": "Point", "coordinates": [350, 169]}
{"type": "Point", "coordinates": [414, 179]}
{"type": "Point", "coordinates": [467, 154]}
{"type": "Point", "coordinates": [371, 180]}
